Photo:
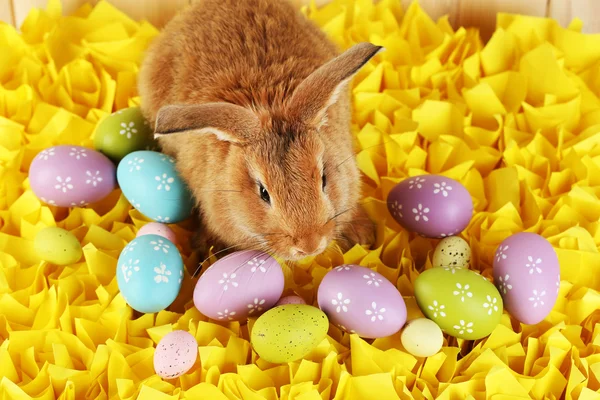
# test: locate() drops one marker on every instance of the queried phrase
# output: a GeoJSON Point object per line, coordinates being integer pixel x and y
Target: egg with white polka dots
{"type": "Point", "coordinates": [71, 176]}
{"type": "Point", "coordinates": [359, 300]}
{"type": "Point", "coordinates": [527, 274]}
{"type": "Point", "coordinates": [149, 273]}
{"type": "Point", "coordinates": [241, 285]}
{"type": "Point", "coordinates": [461, 302]}
{"type": "Point", "coordinates": [150, 182]}
{"type": "Point", "coordinates": [123, 132]}
{"type": "Point", "coordinates": [431, 205]}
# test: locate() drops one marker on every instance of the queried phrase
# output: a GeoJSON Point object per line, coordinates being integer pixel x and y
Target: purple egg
{"type": "Point", "coordinates": [290, 300]}
{"type": "Point", "coordinates": [359, 300]}
{"type": "Point", "coordinates": [527, 274]}
{"type": "Point", "coordinates": [243, 284]}
{"type": "Point", "coordinates": [431, 205]}
{"type": "Point", "coordinates": [68, 176]}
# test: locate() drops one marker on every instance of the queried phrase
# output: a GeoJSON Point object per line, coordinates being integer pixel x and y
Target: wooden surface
{"type": "Point", "coordinates": [478, 13]}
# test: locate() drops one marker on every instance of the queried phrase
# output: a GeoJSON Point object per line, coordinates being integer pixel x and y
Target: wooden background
{"type": "Point", "coordinates": [479, 13]}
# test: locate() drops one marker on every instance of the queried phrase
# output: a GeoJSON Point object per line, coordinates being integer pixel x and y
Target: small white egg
{"type": "Point", "coordinates": [422, 337]}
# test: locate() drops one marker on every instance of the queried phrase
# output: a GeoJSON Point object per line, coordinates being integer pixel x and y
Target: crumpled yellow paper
{"type": "Point", "coordinates": [516, 120]}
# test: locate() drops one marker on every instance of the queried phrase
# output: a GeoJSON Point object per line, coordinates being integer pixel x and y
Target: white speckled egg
{"type": "Point", "coordinates": [175, 354]}
{"type": "Point", "coordinates": [452, 251]}
{"type": "Point", "coordinates": [245, 283]}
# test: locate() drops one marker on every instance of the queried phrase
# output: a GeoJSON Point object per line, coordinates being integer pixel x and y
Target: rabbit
{"type": "Point", "coordinates": [253, 102]}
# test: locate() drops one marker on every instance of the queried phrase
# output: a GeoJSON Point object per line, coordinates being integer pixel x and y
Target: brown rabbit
{"type": "Point", "coordinates": [251, 100]}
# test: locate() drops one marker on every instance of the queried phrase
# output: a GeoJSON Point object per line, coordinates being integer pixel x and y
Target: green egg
{"type": "Point", "coordinates": [289, 332]}
{"type": "Point", "coordinates": [57, 246]}
{"type": "Point", "coordinates": [123, 132]}
{"type": "Point", "coordinates": [463, 303]}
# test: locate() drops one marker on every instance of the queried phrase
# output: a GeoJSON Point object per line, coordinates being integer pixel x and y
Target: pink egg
{"type": "Point", "coordinates": [290, 300]}
{"type": "Point", "coordinates": [245, 283]}
{"type": "Point", "coordinates": [175, 354]}
{"type": "Point", "coordinates": [156, 228]}
{"type": "Point", "coordinates": [527, 274]}
{"type": "Point", "coordinates": [431, 205]}
{"type": "Point", "coordinates": [359, 300]}
{"type": "Point", "coordinates": [68, 176]}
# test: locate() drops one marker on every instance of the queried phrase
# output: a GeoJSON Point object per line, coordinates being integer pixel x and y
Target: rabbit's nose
{"type": "Point", "coordinates": [309, 247]}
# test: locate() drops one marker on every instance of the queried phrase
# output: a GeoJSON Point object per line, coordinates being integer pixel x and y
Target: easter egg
{"type": "Point", "coordinates": [422, 337]}
{"type": "Point", "coordinates": [527, 273]}
{"type": "Point", "coordinates": [461, 302]}
{"type": "Point", "coordinates": [151, 184]}
{"type": "Point", "coordinates": [70, 175]}
{"type": "Point", "coordinates": [290, 300]}
{"type": "Point", "coordinates": [175, 354]}
{"type": "Point", "coordinates": [431, 205]}
{"type": "Point", "coordinates": [244, 283]}
{"type": "Point", "coordinates": [359, 300]}
{"type": "Point", "coordinates": [452, 251]}
{"type": "Point", "coordinates": [289, 332]}
{"type": "Point", "coordinates": [57, 246]}
{"type": "Point", "coordinates": [149, 273]}
{"type": "Point", "coordinates": [123, 132]}
{"type": "Point", "coordinates": [156, 228]}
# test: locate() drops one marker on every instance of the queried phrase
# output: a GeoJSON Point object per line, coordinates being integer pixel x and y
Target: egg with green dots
{"type": "Point", "coordinates": [289, 332]}
{"type": "Point", "coordinates": [57, 246]}
{"type": "Point", "coordinates": [123, 132]}
{"type": "Point", "coordinates": [452, 251]}
{"type": "Point", "coordinates": [462, 302]}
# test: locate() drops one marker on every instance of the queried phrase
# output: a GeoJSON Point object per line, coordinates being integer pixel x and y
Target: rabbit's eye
{"type": "Point", "coordinates": [324, 180]}
{"type": "Point", "coordinates": [264, 195]}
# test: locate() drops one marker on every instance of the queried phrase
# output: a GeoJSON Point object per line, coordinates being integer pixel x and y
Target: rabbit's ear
{"type": "Point", "coordinates": [321, 89]}
{"type": "Point", "coordinates": [229, 122]}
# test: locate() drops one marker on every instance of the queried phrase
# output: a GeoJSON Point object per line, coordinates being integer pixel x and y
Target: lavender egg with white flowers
{"type": "Point", "coordinates": [431, 205]}
{"type": "Point", "coordinates": [359, 300]}
{"type": "Point", "coordinates": [527, 274]}
{"type": "Point", "coordinates": [71, 176]}
{"type": "Point", "coordinates": [241, 285]}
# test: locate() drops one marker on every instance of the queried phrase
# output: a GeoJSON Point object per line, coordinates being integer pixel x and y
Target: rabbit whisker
{"type": "Point", "coordinates": [261, 242]}
{"type": "Point", "coordinates": [366, 148]}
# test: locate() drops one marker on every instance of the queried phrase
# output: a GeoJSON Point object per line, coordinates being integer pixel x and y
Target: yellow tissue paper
{"type": "Point", "coordinates": [516, 120]}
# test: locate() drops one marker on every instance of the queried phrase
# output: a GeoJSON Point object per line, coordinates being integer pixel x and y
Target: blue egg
{"type": "Point", "coordinates": [152, 185]}
{"type": "Point", "coordinates": [149, 273]}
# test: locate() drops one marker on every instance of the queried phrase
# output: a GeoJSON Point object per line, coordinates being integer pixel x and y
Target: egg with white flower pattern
{"type": "Point", "coordinates": [123, 132]}
{"type": "Point", "coordinates": [152, 185]}
{"type": "Point", "coordinates": [463, 303]}
{"type": "Point", "coordinates": [241, 285]}
{"type": "Point", "coordinates": [527, 273]}
{"type": "Point", "coordinates": [71, 176]}
{"type": "Point", "coordinates": [431, 205]}
{"type": "Point", "coordinates": [149, 273]}
{"type": "Point", "coordinates": [359, 300]}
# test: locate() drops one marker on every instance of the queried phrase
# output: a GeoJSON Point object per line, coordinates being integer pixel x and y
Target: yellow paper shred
{"type": "Point", "coordinates": [515, 120]}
